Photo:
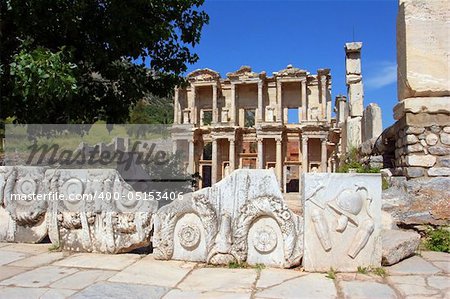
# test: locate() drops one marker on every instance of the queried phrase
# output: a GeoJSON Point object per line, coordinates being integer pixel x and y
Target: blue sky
{"type": "Point", "coordinates": [269, 35]}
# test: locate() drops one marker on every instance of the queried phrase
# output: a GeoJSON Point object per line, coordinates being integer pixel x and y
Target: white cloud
{"type": "Point", "coordinates": [384, 75]}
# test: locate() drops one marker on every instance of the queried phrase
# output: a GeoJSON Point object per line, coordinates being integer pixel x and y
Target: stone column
{"type": "Point", "coordinates": [260, 153]}
{"type": "Point", "coordinates": [176, 107]}
{"type": "Point", "coordinates": [280, 102]}
{"type": "Point", "coordinates": [232, 154]}
{"type": "Point", "coordinates": [304, 104]}
{"type": "Point", "coordinates": [304, 154]}
{"type": "Point", "coordinates": [214, 162]}
{"type": "Point", "coordinates": [323, 158]}
{"type": "Point", "coordinates": [323, 97]}
{"type": "Point", "coordinates": [279, 161]}
{"type": "Point", "coordinates": [233, 104]}
{"type": "Point", "coordinates": [215, 112]}
{"type": "Point", "coordinates": [191, 165]}
{"type": "Point", "coordinates": [341, 109]}
{"type": "Point", "coordinates": [194, 116]}
{"type": "Point", "coordinates": [260, 102]}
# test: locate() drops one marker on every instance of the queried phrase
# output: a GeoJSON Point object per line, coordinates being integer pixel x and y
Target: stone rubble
{"type": "Point", "coordinates": [398, 245]}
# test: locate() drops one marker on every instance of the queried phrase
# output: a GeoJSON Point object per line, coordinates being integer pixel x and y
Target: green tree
{"type": "Point", "coordinates": [79, 61]}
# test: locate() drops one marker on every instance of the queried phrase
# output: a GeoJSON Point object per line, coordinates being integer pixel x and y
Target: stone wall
{"type": "Point", "coordinates": [423, 151]}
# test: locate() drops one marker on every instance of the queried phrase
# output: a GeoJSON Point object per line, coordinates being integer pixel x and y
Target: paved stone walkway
{"type": "Point", "coordinates": [31, 271]}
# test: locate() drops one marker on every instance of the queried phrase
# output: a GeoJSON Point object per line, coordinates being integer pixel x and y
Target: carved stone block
{"type": "Point", "coordinates": [22, 214]}
{"type": "Point", "coordinates": [342, 221]}
{"type": "Point", "coordinates": [241, 218]}
{"type": "Point", "coordinates": [99, 212]}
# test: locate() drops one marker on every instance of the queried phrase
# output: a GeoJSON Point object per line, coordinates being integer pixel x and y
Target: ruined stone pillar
{"type": "Point", "coordinates": [233, 104]}
{"type": "Point", "coordinates": [260, 101]}
{"type": "Point", "coordinates": [214, 161]}
{"type": "Point", "coordinates": [232, 154]}
{"type": "Point", "coordinates": [191, 165]}
{"type": "Point", "coordinates": [279, 161]}
{"type": "Point", "coordinates": [279, 102]}
{"type": "Point", "coordinates": [341, 109]}
{"type": "Point", "coordinates": [215, 112]}
{"type": "Point", "coordinates": [371, 122]}
{"type": "Point", "coordinates": [323, 158]}
{"type": "Point", "coordinates": [304, 101]}
{"type": "Point", "coordinates": [355, 93]}
{"type": "Point", "coordinates": [260, 153]}
{"type": "Point", "coordinates": [304, 154]}
{"type": "Point", "coordinates": [354, 78]}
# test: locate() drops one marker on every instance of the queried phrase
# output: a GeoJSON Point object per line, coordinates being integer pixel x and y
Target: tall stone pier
{"type": "Point", "coordinates": [422, 128]}
{"type": "Point", "coordinates": [355, 91]}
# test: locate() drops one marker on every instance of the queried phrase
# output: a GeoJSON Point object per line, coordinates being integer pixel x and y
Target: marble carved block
{"type": "Point", "coordinates": [22, 217]}
{"type": "Point", "coordinates": [107, 219]}
{"type": "Point", "coordinates": [242, 218]}
{"type": "Point", "coordinates": [342, 214]}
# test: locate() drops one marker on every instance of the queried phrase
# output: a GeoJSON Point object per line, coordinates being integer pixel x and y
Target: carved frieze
{"type": "Point", "coordinates": [342, 221]}
{"type": "Point", "coordinates": [244, 208]}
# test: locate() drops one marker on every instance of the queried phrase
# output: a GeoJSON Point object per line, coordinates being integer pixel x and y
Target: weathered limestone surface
{"type": "Point", "coordinates": [418, 201]}
{"type": "Point", "coordinates": [241, 218]}
{"type": "Point", "coordinates": [372, 125]}
{"type": "Point", "coordinates": [23, 217]}
{"type": "Point", "coordinates": [353, 132]}
{"type": "Point", "coordinates": [108, 219]}
{"type": "Point", "coordinates": [423, 48]}
{"type": "Point", "coordinates": [342, 221]}
{"type": "Point", "coordinates": [398, 245]}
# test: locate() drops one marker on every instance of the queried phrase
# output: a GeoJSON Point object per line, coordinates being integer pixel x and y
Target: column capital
{"type": "Point", "coordinates": [278, 139]}
{"type": "Point", "coordinates": [305, 138]}
{"type": "Point", "coordinates": [259, 139]}
{"type": "Point", "coordinates": [260, 83]}
{"type": "Point", "coordinates": [232, 139]}
{"type": "Point", "coordinates": [323, 139]}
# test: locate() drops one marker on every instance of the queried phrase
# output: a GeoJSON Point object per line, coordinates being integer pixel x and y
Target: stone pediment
{"type": "Point", "coordinates": [245, 73]}
{"type": "Point", "coordinates": [290, 72]}
{"type": "Point", "coordinates": [203, 75]}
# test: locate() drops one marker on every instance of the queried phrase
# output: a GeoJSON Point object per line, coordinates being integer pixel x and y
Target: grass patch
{"type": "Point", "coordinates": [363, 270]}
{"type": "Point", "coordinates": [54, 247]}
{"type": "Point", "coordinates": [380, 271]}
{"type": "Point", "coordinates": [437, 240]}
{"type": "Point", "coordinates": [352, 164]}
{"type": "Point", "coordinates": [245, 265]}
{"type": "Point", "coordinates": [331, 274]}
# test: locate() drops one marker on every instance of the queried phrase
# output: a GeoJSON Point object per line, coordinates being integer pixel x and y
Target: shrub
{"type": "Point", "coordinates": [438, 240]}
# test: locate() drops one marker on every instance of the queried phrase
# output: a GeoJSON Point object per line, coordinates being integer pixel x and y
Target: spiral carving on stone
{"type": "Point", "coordinates": [265, 239]}
{"type": "Point", "coordinates": [72, 186]}
{"type": "Point", "coordinates": [189, 236]}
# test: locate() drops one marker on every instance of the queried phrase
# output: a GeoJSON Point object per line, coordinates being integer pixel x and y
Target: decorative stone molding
{"type": "Point", "coordinates": [245, 73]}
{"type": "Point", "coordinates": [109, 218]}
{"type": "Point", "coordinates": [166, 219]}
{"type": "Point", "coordinates": [203, 75]}
{"type": "Point", "coordinates": [244, 208]}
{"type": "Point", "coordinates": [22, 215]}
